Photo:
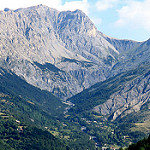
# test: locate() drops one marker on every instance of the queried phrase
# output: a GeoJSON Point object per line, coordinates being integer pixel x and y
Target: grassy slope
{"type": "Point", "coordinates": [25, 103]}
{"type": "Point", "coordinates": [130, 128]}
{"type": "Point", "coordinates": [14, 85]}
{"type": "Point", "coordinates": [17, 136]}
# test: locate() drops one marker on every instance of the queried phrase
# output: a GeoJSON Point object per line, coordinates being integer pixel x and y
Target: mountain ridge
{"type": "Point", "coordinates": [116, 95]}
{"type": "Point", "coordinates": [38, 34]}
{"type": "Point", "coordinates": [63, 52]}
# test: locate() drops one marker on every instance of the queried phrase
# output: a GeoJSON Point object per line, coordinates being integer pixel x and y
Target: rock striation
{"type": "Point", "coordinates": [131, 97]}
{"type": "Point", "coordinates": [61, 52]}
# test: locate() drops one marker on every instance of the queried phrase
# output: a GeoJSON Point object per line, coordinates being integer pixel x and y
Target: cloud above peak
{"type": "Point", "coordinates": [71, 5]}
{"type": "Point", "coordinates": [135, 14]}
{"type": "Point", "coordinates": [105, 4]}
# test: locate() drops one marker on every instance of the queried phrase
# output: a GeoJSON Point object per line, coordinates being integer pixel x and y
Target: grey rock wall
{"type": "Point", "coordinates": [67, 40]}
{"type": "Point", "coordinates": [130, 98]}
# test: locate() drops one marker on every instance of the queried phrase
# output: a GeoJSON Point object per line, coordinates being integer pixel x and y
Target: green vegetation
{"type": "Point", "coordinates": [82, 63]}
{"type": "Point", "coordinates": [14, 85]}
{"type": "Point", "coordinates": [121, 132]}
{"type": "Point", "coordinates": [140, 145]}
{"type": "Point", "coordinates": [80, 128]}
{"type": "Point", "coordinates": [38, 108]}
{"type": "Point", "coordinates": [17, 136]}
{"type": "Point", "coordinates": [32, 115]}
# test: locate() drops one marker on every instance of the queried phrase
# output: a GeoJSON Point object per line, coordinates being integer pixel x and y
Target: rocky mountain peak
{"type": "Point", "coordinates": [38, 42]}
{"type": "Point", "coordinates": [76, 20]}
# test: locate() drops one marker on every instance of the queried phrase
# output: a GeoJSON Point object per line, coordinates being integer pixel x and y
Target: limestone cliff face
{"type": "Point", "coordinates": [63, 52]}
{"type": "Point", "coordinates": [131, 54]}
{"type": "Point", "coordinates": [122, 45]}
{"type": "Point", "coordinates": [80, 35]}
{"type": "Point", "coordinates": [130, 98]}
{"type": "Point", "coordinates": [58, 51]}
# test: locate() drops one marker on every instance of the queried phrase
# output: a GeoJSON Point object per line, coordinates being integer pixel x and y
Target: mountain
{"type": "Point", "coordinates": [117, 96]}
{"type": "Point", "coordinates": [131, 96]}
{"type": "Point", "coordinates": [122, 45]}
{"type": "Point", "coordinates": [48, 56]}
{"type": "Point", "coordinates": [116, 111]}
{"type": "Point", "coordinates": [132, 54]}
{"type": "Point", "coordinates": [61, 52]}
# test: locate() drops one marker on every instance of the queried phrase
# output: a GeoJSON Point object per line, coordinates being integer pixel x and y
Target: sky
{"type": "Point", "coordinates": [123, 19]}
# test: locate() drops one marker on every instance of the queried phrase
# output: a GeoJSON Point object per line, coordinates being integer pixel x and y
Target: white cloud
{"type": "Point", "coordinates": [15, 4]}
{"type": "Point", "coordinates": [82, 5]}
{"type": "Point", "coordinates": [105, 4]}
{"type": "Point", "coordinates": [97, 21]}
{"type": "Point", "coordinates": [51, 3]}
{"type": "Point", "coordinates": [136, 14]}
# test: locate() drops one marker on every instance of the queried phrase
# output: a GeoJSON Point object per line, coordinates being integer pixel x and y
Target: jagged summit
{"type": "Point", "coordinates": [41, 37]}
{"type": "Point", "coordinates": [37, 42]}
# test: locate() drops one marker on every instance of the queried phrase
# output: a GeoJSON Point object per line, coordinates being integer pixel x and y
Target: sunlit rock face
{"type": "Point", "coordinates": [130, 98]}
{"type": "Point", "coordinates": [61, 52]}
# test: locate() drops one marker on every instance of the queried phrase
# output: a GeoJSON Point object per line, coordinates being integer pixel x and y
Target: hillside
{"type": "Point", "coordinates": [24, 112]}
{"type": "Point", "coordinates": [116, 111]}
{"type": "Point", "coordinates": [114, 89]}
{"type": "Point", "coordinates": [40, 109]}
{"type": "Point", "coordinates": [16, 135]}
{"type": "Point", "coordinates": [60, 74]}
{"type": "Point", "coordinates": [14, 85]}
{"type": "Point", "coordinates": [142, 145]}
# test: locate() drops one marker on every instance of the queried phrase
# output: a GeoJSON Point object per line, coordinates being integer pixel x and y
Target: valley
{"type": "Point", "coordinates": [62, 78]}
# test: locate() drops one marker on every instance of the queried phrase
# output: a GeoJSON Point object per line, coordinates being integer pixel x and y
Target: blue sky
{"type": "Point", "coordinates": [123, 19]}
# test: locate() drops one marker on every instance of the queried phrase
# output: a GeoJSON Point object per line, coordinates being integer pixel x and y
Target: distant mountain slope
{"type": "Point", "coordinates": [122, 45]}
{"type": "Point", "coordinates": [132, 54]}
{"type": "Point", "coordinates": [118, 96]}
{"type": "Point", "coordinates": [130, 97]}
{"type": "Point", "coordinates": [14, 85]}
